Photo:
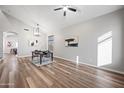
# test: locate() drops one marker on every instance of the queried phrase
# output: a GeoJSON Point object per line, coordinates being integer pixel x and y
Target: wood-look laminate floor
{"type": "Point", "coordinates": [20, 72]}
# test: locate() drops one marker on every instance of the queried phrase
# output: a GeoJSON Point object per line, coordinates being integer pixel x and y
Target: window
{"type": "Point", "coordinates": [104, 49]}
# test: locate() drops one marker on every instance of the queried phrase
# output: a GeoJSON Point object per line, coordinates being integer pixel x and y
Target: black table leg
{"type": "Point", "coordinates": [41, 59]}
{"type": "Point", "coordinates": [52, 56]}
{"type": "Point", "coordinates": [32, 55]}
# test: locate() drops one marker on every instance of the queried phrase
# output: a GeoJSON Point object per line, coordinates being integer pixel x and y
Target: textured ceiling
{"type": "Point", "coordinates": [46, 17]}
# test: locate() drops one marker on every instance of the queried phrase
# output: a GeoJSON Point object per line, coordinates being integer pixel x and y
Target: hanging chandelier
{"type": "Point", "coordinates": [37, 31]}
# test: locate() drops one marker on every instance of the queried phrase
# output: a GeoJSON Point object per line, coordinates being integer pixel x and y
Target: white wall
{"type": "Point", "coordinates": [4, 26]}
{"type": "Point", "coordinates": [88, 32]}
{"type": "Point", "coordinates": [9, 23]}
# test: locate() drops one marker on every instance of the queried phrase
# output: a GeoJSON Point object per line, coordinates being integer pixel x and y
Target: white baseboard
{"type": "Point", "coordinates": [24, 56]}
{"type": "Point", "coordinates": [102, 68]}
{"type": "Point", "coordinates": [64, 58]}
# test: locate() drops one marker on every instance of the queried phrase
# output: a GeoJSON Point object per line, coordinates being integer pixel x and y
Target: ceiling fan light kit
{"type": "Point", "coordinates": [65, 8]}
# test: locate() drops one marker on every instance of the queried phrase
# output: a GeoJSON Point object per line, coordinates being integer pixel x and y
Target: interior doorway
{"type": "Point", "coordinates": [51, 43]}
{"type": "Point", "coordinates": [10, 43]}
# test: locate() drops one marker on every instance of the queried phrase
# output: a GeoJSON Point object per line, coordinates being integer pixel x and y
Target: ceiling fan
{"type": "Point", "coordinates": [65, 8]}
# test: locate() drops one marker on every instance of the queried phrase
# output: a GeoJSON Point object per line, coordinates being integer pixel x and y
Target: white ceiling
{"type": "Point", "coordinates": [46, 17]}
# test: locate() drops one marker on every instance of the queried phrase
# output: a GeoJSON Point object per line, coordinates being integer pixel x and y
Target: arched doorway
{"type": "Point", "coordinates": [10, 43]}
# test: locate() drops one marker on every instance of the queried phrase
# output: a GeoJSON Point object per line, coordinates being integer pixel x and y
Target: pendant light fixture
{"type": "Point", "coordinates": [37, 30]}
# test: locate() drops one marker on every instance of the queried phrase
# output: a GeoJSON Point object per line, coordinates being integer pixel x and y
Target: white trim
{"type": "Point", "coordinates": [64, 58]}
{"type": "Point", "coordinates": [102, 68]}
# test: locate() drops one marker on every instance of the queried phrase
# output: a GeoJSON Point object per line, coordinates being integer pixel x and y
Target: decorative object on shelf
{"type": "Point", "coordinates": [71, 42]}
{"type": "Point", "coordinates": [36, 30]}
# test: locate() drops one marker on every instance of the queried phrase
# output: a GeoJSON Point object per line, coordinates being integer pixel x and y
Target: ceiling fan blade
{"type": "Point", "coordinates": [64, 13]}
{"type": "Point", "coordinates": [58, 9]}
{"type": "Point", "coordinates": [72, 9]}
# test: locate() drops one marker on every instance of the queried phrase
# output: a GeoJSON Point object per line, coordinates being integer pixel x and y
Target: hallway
{"type": "Point", "coordinates": [9, 73]}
